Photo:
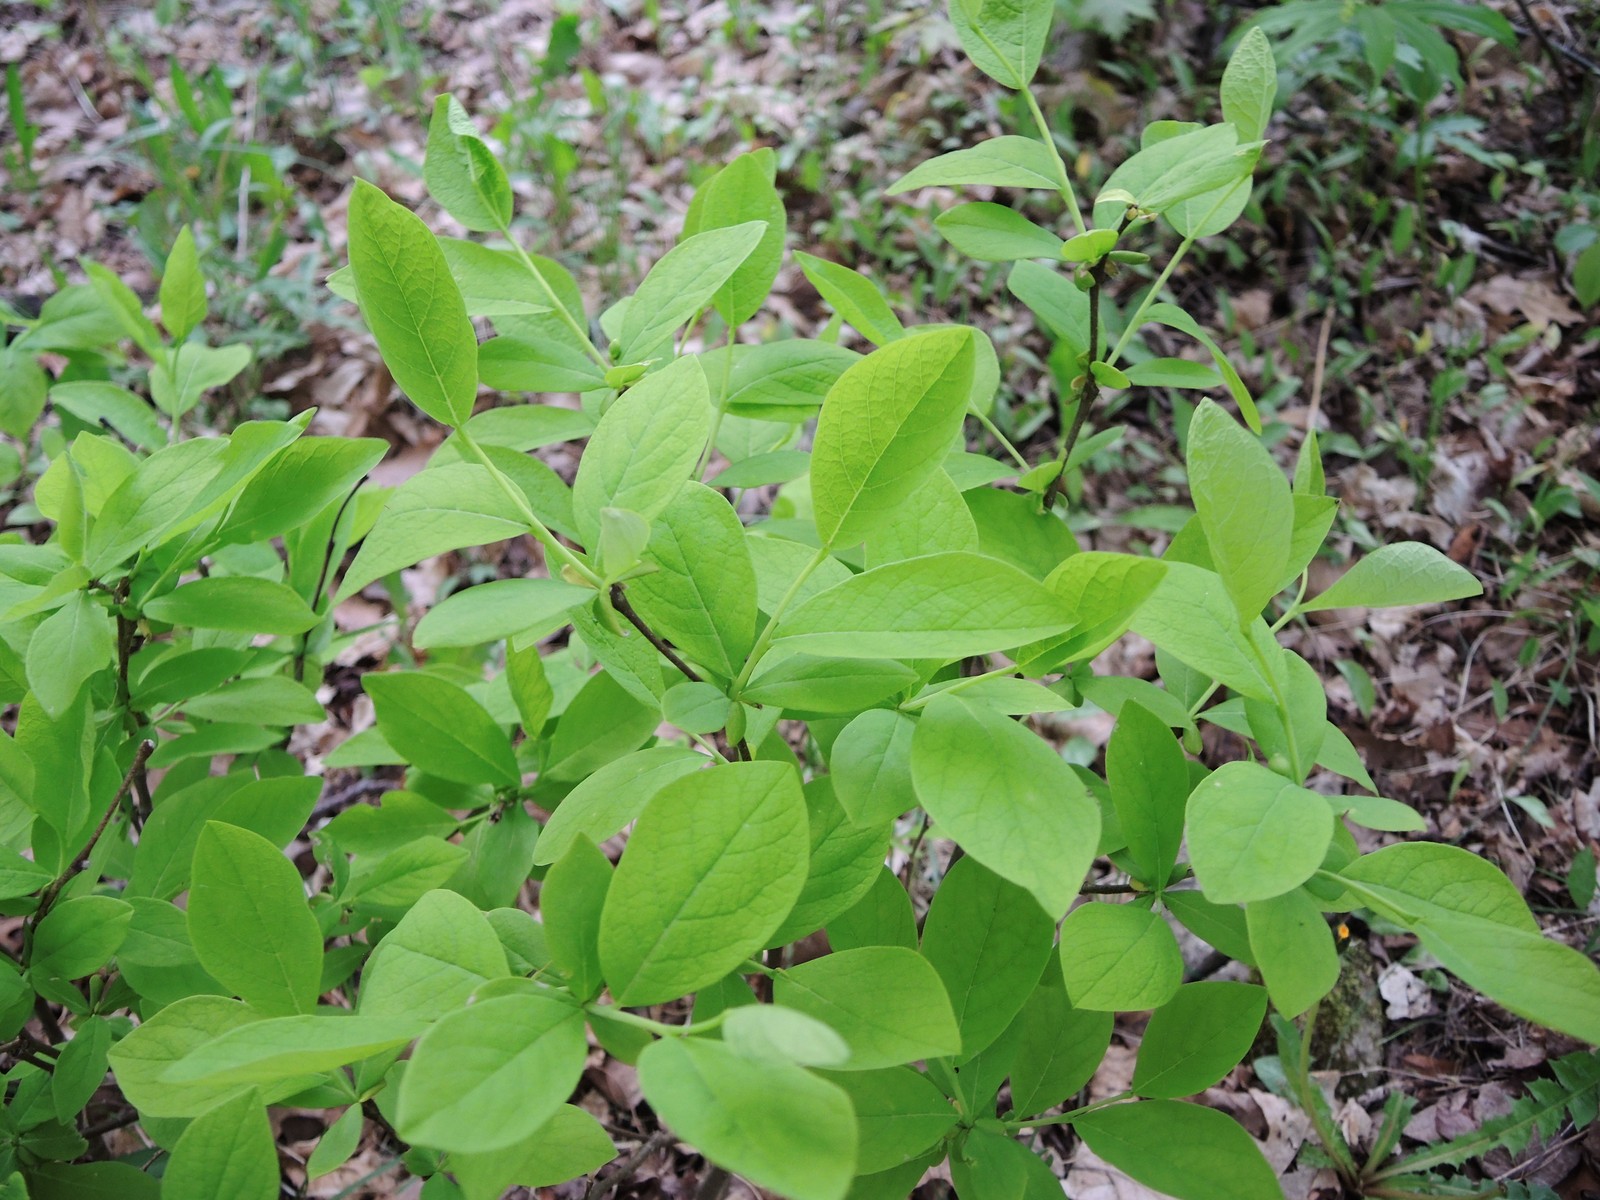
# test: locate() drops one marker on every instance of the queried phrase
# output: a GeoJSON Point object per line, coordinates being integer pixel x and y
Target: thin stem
{"type": "Point", "coordinates": [1063, 180]}
{"type": "Point", "coordinates": [719, 410]}
{"type": "Point", "coordinates": [765, 640]}
{"type": "Point", "coordinates": [1067, 1118]}
{"type": "Point", "coordinates": [538, 528]}
{"type": "Point", "coordinates": [1282, 701]}
{"type": "Point", "coordinates": [710, 747]}
{"type": "Point", "coordinates": [127, 629]}
{"type": "Point", "coordinates": [560, 309]}
{"type": "Point", "coordinates": [619, 601]}
{"type": "Point", "coordinates": [111, 1124]}
{"type": "Point", "coordinates": [612, 1180]}
{"type": "Point", "coordinates": [1088, 392]}
{"type": "Point", "coordinates": [322, 581]}
{"type": "Point", "coordinates": [661, 1028]}
{"type": "Point", "coordinates": [1379, 903]}
{"type": "Point", "coordinates": [927, 698]}
{"type": "Point", "coordinates": [1332, 1140]}
{"type": "Point", "coordinates": [1005, 442]}
{"type": "Point", "coordinates": [1293, 610]}
{"type": "Point", "coordinates": [1194, 709]}
{"type": "Point", "coordinates": [52, 892]}
{"type": "Point", "coordinates": [1133, 324]}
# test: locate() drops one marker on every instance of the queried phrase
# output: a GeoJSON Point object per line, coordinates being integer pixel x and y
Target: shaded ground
{"type": "Point", "coordinates": [1424, 318]}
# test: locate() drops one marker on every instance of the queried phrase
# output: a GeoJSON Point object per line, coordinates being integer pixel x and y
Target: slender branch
{"type": "Point", "coordinates": [559, 308]}
{"type": "Point", "coordinates": [773, 618]}
{"type": "Point", "coordinates": [1067, 1118]}
{"type": "Point", "coordinates": [619, 601]}
{"type": "Point", "coordinates": [715, 1184]}
{"type": "Point", "coordinates": [322, 581]}
{"type": "Point", "coordinates": [127, 644]}
{"type": "Point", "coordinates": [721, 408]}
{"type": "Point", "coordinates": [611, 1181]}
{"type": "Point", "coordinates": [1137, 320]}
{"type": "Point", "coordinates": [1545, 44]}
{"type": "Point", "coordinates": [1005, 443]}
{"type": "Point", "coordinates": [1010, 670]}
{"type": "Point", "coordinates": [1063, 180]}
{"type": "Point", "coordinates": [660, 1028]}
{"type": "Point", "coordinates": [112, 1124]}
{"type": "Point", "coordinates": [53, 891]}
{"type": "Point", "coordinates": [126, 631]}
{"type": "Point", "coordinates": [1088, 391]}
{"type": "Point", "coordinates": [535, 526]}
{"type": "Point", "coordinates": [1305, 1088]}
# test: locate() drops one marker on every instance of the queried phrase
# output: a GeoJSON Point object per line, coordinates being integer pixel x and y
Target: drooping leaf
{"type": "Point", "coordinates": [703, 597]}
{"type": "Point", "coordinates": [1472, 919]}
{"type": "Point", "coordinates": [249, 921]}
{"type": "Point", "coordinates": [884, 426]}
{"type": "Point", "coordinates": [846, 859]}
{"type": "Point", "coordinates": [1008, 161]}
{"type": "Point", "coordinates": [441, 729]}
{"type": "Point", "coordinates": [612, 796]}
{"type": "Point", "coordinates": [644, 448]}
{"type": "Point", "coordinates": [1007, 798]}
{"type": "Point", "coordinates": [1253, 834]}
{"type": "Point", "coordinates": [871, 766]}
{"type": "Point", "coordinates": [241, 603]}
{"type": "Point", "coordinates": [1184, 1150]}
{"type": "Point", "coordinates": [72, 644]}
{"type": "Point", "coordinates": [993, 1165]}
{"type": "Point", "coordinates": [443, 508]}
{"type": "Point", "coordinates": [442, 951]}
{"type": "Point", "coordinates": [413, 307]}
{"type": "Point", "coordinates": [1119, 958]}
{"type": "Point", "coordinates": [994, 233]}
{"type": "Point", "coordinates": [227, 1151]}
{"type": "Point", "coordinates": [571, 899]}
{"type": "Point", "coordinates": [485, 1077]}
{"type": "Point", "coordinates": [79, 936]}
{"type": "Point", "coordinates": [681, 284]}
{"type": "Point", "coordinates": [1294, 948]}
{"type": "Point", "coordinates": [462, 174]}
{"type": "Point", "coordinates": [1058, 1049]}
{"type": "Point", "coordinates": [854, 297]}
{"type": "Point", "coordinates": [287, 1047]}
{"type": "Point", "coordinates": [937, 606]}
{"type": "Point", "coordinates": [1397, 575]}
{"type": "Point", "coordinates": [1149, 778]}
{"type": "Point", "coordinates": [1197, 1037]}
{"type": "Point", "coordinates": [715, 862]}
{"type": "Point", "coordinates": [888, 1003]}
{"type": "Point", "coordinates": [495, 610]}
{"type": "Point", "coordinates": [989, 940]}
{"type": "Point", "coordinates": [1244, 506]}
{"type": "Point", "coordinates": [900, 1115]}
{"type": "Point", "coordinates": [777, 1125]}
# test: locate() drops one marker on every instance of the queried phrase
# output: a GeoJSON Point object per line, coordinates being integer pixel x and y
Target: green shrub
{"type": "Point", "coordinates": [844, 672]}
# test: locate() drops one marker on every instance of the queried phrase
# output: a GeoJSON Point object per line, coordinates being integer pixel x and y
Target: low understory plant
{"type": "Point", "coordinates": [783, 654]}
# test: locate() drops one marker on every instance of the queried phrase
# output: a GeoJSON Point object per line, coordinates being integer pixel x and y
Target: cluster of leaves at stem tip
{"type": "Point", "coordinates": [852, 664]}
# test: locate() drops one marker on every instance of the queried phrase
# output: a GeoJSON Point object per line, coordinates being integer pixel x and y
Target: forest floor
{"type": "Point", "coordinates": [1404, 283]}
